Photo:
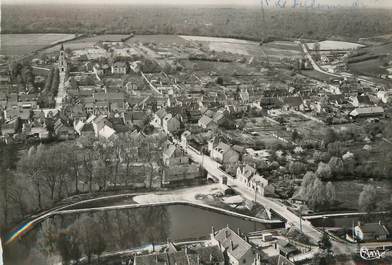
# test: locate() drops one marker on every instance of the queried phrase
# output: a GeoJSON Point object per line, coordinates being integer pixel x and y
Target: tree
{"type": "Point", "coordinates": [330, 191]}
{"type": "Point", "coordinates": [316, 48]}
{"type": "Point", "coordinates": [330, 136]}
{"type": "Point", "coordinates": [323, 171]}
{"type": "Point", "coordinates": [317, 197]}
{"type": "Point", "coordinates": [336, 165]}
{"type": "Point", "coordinates": [335, 149]}
{"type": "Point", "coordinates": [307, 183]}
{"type": "Point", "coordinates": [367, 201]}
{"type": "Point", "coordinates": [295, 136]}
{"type": "Point", "coordinates": [90, 236]}
{"type": "Point", "coordinates": [296, 167]}
{"type": "Point", "coordinates": [29, 164]}
{"type": "Point", "coordinates": [68, 246]}
{"type": "Point", "coordinates": [36, 257]}
{"type": "Point", "coordinates": [47, 237]}
{"type": "Point", "coordinates": [325, 242]}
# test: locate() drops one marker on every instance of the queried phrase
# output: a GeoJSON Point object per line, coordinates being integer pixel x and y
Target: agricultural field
{"type": "Point", "coordinates": [317, 75]}
{"type": "Point", "coordinates": [275, 49]}
{"type": "Point", "coordinates": [21, 44]}
{"type": "Point", "coordinates": [371, 67]}
{"type": "Point", "coordinates": [158, 39]}
{"type": "Point", "coordinates": [88, 42]}
{"type": "Point", "coordinates": [330, 45]}
{"type": "Point", "coordinates": [282, 49]}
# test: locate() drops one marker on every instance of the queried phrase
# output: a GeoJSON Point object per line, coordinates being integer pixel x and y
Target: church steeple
{"type": "Point", "coordinates": [62, 62]}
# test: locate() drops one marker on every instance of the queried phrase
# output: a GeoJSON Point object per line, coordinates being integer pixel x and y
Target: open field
{"type": "Point", "coordinates": [317, 75]}
{"type": "Point", "coordinates": [275, 49]}
{"type": "Point", "coordinates": [376, 39]}
{"type": "Point", "coordinates": [373, 60]}
{"type": "Point", "coordinates": [215, 39]}
{"type": "Point", "coordinates": [235, 46]}
{"type": "Point", "coordinates": [20, 44]}
{"type": "Point", "coordinates": [371, 67]}
{"type": "Point", "coordinates": [228, 47]}
{"type": "Point", "coordinates": [88, 42]}
{"type": "Point", "coordinates": [336, 45]}
{"type": "Point", "coordinates": [162, 39]}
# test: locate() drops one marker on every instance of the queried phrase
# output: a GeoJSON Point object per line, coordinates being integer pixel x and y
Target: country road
{"type": "Point", "coordinates": [316, 67]}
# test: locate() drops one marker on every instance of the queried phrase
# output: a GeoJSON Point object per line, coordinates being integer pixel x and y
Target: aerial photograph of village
{"type": "Point", "coordinates": [211, 132]}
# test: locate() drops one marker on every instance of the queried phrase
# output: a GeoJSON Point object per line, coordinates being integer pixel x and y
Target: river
{"type": "Point", "coordinates": [131, 228]}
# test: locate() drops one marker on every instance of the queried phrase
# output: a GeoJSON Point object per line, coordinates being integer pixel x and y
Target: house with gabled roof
{"type": "Point", "coordinates": [361, 101]}
{"type": "Point", "coordinates": [367, 112]}
{"type": "Point", "coordinates": [63, 131]}
{"type": "Point", "coordinates": [173, 156]}
{"type": "Point", "coordinates": [236, 249]}
{"type": "Point", "coordinates": [292, 103]}
{"type": "Point", "coordinates": [119, 68]}
{"type": "Point", "coordinates": [158, 118]}
{"type": "Point", "coordinates": [248, 177]}
{"type": "Point", "coordinates": [205, 255]}
{"type": "Point", "coordinates": [371, 232]}
{"type": "Point", "coordinates": [206, 122]}
{"type": "Point", "coordinates": [170, 124]}
{"type": "Point", "coordinates": [224, 154]}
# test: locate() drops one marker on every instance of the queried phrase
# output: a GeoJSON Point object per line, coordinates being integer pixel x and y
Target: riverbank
{"type": "Point", "coordinates": [187, 196]}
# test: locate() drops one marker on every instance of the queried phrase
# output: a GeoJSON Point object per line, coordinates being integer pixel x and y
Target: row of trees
{"type": "Point", "coordinates": [322, 196]}
{"type": "Point", "coordinates": [52, 81]}
{"type": "Point", "coordinates": [319, 196]}
{"type": "Point", "coordinates": [86, 236]}
{"type": "Point", "coordinates": [47, 174]}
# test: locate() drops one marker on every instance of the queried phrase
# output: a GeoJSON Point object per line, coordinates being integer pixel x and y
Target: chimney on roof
{"type": "Point", "coordinates": [232, 244]}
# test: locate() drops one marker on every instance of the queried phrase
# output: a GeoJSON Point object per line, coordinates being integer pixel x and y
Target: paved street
{"type": "Point", "coordinates": [211, 166]}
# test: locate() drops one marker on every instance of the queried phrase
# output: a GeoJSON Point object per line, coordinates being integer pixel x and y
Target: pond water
{"type": "Point", "coordinates": [130, 228]}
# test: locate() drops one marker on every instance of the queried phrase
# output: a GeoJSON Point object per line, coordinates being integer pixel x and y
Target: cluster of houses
{"type": "Point", "coordinates": [224, 246]}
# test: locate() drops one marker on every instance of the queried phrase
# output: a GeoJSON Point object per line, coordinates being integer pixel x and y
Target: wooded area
{"type": "Point", "coordinates": [45, 175]}
{"type": "Point", "coordinates": [223, 22]}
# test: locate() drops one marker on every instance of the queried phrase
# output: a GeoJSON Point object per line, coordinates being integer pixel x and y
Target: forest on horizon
{"type": "Point", "coordinates": [247, 23]}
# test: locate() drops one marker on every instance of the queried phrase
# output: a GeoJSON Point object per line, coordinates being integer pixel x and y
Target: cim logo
{"type": "Point", "coordinates": [373, 254]}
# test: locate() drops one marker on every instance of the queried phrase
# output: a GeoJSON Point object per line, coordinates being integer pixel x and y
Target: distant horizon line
{"type": "Point", "coordinates": [320, 7]}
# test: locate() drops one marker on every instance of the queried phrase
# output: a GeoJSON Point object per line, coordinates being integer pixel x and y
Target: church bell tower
{"type": "Point", "coordinates": [62, 62]}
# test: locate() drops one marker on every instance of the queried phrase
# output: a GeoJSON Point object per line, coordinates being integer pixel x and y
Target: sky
{"type": "Point", "coordinates": [368, 3]}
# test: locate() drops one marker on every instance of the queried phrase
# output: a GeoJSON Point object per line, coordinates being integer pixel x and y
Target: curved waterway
{"type": "Point", "coordinates": [131, 228]}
